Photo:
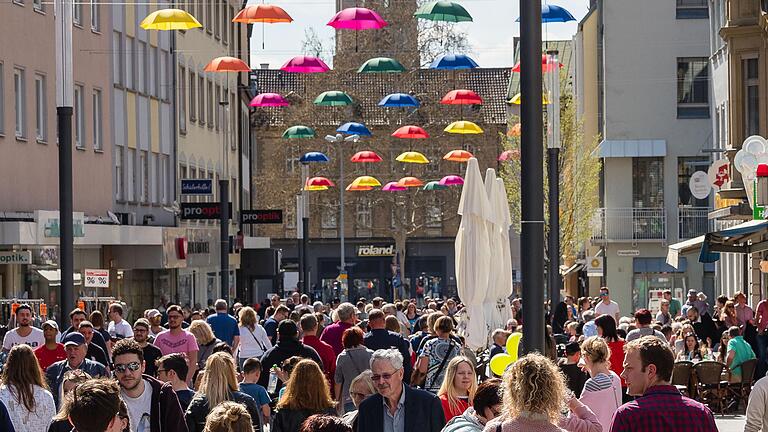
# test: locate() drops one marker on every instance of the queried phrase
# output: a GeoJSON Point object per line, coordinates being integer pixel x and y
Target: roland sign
{"type": "Point", "coordinates": [375, 251]}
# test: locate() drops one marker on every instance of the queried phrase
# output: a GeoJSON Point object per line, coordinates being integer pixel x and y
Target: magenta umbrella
{"type": "Point", "coordinates": [393, 187]}
{"type": "Point", "coordinates": [451, 180]}
{"type": "Point", "coordinates": [357, 18]}
{"type": "Point", "coordinates": [305, 64]}
{"type": "Point", "coordinates": [268, 100]}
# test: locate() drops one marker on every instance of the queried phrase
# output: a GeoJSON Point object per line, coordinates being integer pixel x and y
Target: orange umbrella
{"type": "Point", "coordinates": [410, 182]}
{"type": "Point", "coordinates": [515, 131]}
{"type": "Point", "coordinates": [262, 13]}
{"type": "Point", "coordinates": [355, 187]}
{"type": "Point", "coordinates": [227, 64]}
{"type": "Point", "coordinates": [458, 155]}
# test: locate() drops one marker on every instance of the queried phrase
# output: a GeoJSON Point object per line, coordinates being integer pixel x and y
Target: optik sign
{"type": "Point", "coordinates": [194, 211]}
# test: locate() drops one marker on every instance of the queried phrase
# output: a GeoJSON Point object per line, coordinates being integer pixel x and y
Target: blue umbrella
{"type": "Point", "coordinates": [554, 13]}
{"type": "Point", "coordinates": [399, 100]}
{"type": "Point", "coordinates": [313, 157]}
{"type": "Point", "coordinates": [453, 62]}
{"type": "Point", "coordinates": [352, 128]}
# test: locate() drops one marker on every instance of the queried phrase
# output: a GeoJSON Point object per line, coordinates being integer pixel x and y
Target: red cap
{"type": "Point", "coordinates": [762, 170]}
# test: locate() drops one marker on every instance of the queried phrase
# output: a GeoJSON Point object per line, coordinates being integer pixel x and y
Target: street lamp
{"type": "Point", "coordinates": [302, 213]}
{"type": "Point", "coordinates": [553, 163]}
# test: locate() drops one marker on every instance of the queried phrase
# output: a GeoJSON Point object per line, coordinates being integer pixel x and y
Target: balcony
{"type": "Point", "coordinates": [629, 225]}
{"type": "Point", "coordinates": [692, 222]}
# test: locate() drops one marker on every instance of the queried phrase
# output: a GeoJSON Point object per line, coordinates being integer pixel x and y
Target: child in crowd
{"type": "Point", "coordinates": [249, 386]}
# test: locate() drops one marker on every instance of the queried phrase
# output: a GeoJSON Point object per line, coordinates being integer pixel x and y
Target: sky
{"type": "Point", "coordinates": [490, 34]}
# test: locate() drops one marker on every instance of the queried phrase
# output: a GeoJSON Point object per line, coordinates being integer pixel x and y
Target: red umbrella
{"type": "Point", "coordinates": [461, 97]}
{"type": "Point", "coordinates": [366, 156]}
{"type": "Point", "coordinates": [546, 66]}
{"type": "Point", "coordinates": [227, 64]}
{"type": "Point", "coordinates": [410, 132]}
{"type": "Point", "coordinates": [263, 13]}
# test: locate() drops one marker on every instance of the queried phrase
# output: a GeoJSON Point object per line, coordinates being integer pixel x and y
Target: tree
{"type": "Point", "coordinates": [313, 45]}
{"type": "Point", "coordinates": [438, 38]}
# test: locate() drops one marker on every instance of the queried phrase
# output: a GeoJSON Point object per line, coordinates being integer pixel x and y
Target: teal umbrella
{"type": "Point", "coordinates": [434, 185]}
{"type": "Point", "coordinates": [299, 131]}
{"type": "Point", "coordinates": [381, 65]}
{"type": "Point", "coordinates": [443, 11]}
{"type": "Point", "coordinates": [333, 98]}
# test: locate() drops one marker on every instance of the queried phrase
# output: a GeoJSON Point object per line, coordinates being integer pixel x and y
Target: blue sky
{"type": "Point", "coordinates": [490, 34]}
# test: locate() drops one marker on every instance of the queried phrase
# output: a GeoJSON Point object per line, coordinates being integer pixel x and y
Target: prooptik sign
{"type": "Point", "coordinates": [196, 211]}
{"type": "Point", "coordinates": [16, 257]}
{"type": "Point", "coordinates": [375, 251]}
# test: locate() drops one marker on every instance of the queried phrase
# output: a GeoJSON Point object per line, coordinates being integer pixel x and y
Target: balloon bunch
{"type": "Point", "coordinates": [500, 362]}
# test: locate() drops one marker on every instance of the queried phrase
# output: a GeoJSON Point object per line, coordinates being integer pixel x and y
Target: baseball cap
{"type": "Point", "coordinates": [692, 292]}
{"type": "Point", "coordinates": [51, 323]}
{"type": "Point", "coordinates": [73, 338]}
{"type": "Point", "coordinates": [152, 313]}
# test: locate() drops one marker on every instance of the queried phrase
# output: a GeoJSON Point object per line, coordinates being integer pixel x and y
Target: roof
{"type": "Point", "coordinates": [565, 55]}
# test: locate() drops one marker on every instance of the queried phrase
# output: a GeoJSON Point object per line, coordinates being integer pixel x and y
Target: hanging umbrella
{"type": "Point", "coordinates": [461, 97]}
{"type": "Point", "coordinates": [458, 156]}
{"type": "Point", "coordinates": [268, 100]}
{"type": "Point", "coordinates": [509, 155]}
{"type": "Point", "coordinates": [227, 64]}
{"type": "Point", "coordinates": [357, 18]}
{"type": "Point", "coordinates": [313, 157]}
{"type": "Point", "coordinates": [453, 62]}
{"type": "Point", "coordinates": [264, 14]}
{"type": "Point", "coordinates": [495, 250]}
{"type": "Point", "coordinates": [443, 11]}
{"type": "Point", "coordinates": [413, 132]}
{"type": "Point", "coordinates": [333, 98]}
{"type": "Point", "coordinates": [452, 180]}
{"type": "Point", "coordinates": [169, 19]}
{"type": "Point", "coordinates": [398, 100]}
{"type": "Point", "coordinates": [319, 181]}
{"type": "Point", "coordinates": [381, 65]}
{"type": "Point", "coordinates": [546, 65]}
{"type": "Point", "coordinates": [354, 187]}
{"type": "Point", "coordinates": [366, 181]}
{"type": "Point", "coordinates": [352, 128]}
{"type": "Point", "coordinates": [554, 13]}
{"type": "Point", "coordinates": [393, 187]}
{"type": "Point", "coordinates": [434, 185]}
{"type": "Point", "coordinates": [305, 64]}
{"type": "Point", "coordinates": [516, 130]}
{"type": "Point", "coordinates": [366, 156]}
{"type": "Point", "coordinates": [412, 157]}
{"type": "Point", "coordinates": [315, 188]}
{"type": "Point", "coordinates": [299, 131]}
{"type": "Point", "coordinates": [410, 182]}
{"type": "Point", "coordinates": [472, 254]}
{"type": "Point", "coordinates": [517, 99]}
{"type": "Point", "coordinates": [463, 127]}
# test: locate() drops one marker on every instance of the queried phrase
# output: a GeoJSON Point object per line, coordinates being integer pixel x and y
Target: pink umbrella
{"type": "Point", "coordinates": [393, 187]}
{"type": "Point", "coordinates": [268, 100]}
{"type": "Point", "coordinates": [357, 18]}
{"type": "Point", "coordinates": [305, 64]}
{"type": "Point", "coordinates": [451, 180]}
{"type": "Point", "coordinates": [509, 155]}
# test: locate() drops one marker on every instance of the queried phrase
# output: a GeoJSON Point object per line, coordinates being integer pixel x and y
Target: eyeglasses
{"type": "Point", "coordinates": [385, 377]}
{"type": "Point", "coordinates": [358, 395]}
{"type": "Point", "coordinates": [170, 317]}
{"type": "Point", "coordinates": [133, 366]}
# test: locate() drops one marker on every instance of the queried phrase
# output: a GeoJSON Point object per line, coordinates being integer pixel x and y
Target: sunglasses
{"type": "Point", "coordinates": [385, 377]}
{"type": "Point", "coordinates": [133, 366]}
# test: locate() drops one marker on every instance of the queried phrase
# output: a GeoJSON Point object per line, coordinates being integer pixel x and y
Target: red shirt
{"type": "Point", "coordinates": [617, 358]}
{"type": "Point", "coordinates": [325, 351]}
{"type": "Point", "coordinates": [449, 414]}
{"type": "Point", "coordinates": [48, 357]}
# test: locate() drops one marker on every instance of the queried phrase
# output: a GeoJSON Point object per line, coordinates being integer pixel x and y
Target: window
{"type": "Point", "coordinates": [182, 100]}
{"type": "Point", "coordinates": [79, 117]}
{"type": "Point", "coordinates": [218, 107]}
{"type": "Point", "coordinates": [153, 169]}
{"type": "Point", "coordinates": [143, 176]}
{"type": "Point", "coordinates": [40, 108]}
{"type": "Point", "coordinates": [216, 18]}
{"type": "Point", "coordinates": [686, 166]}
{"type": "Point", "coordinates": [211, 104]}
{"type": "Point", "coordinates": [433, 215]}
{"type": "Point", "coordinates": [2, 101]}
{"type": "Point", "coordinates": [192, 97]}
{"type": "Point", "coordinates": [751, 96]}
{"type": "Point", "coordinates": [164, 72]}
{"type": "Point", "coordinates": [648, 182]}
{"type": "Point", "coordinates": [226, 34]}
{"type": "Point", "coordinates": [692, 9]}
{"type": "Point", "coordinates": [363, 214]}
{"type": "Point", "coordinates": [201, 99]}
{"type": "Point", "coordinates": [20, 102]}
{"type": "Point", "coordinates": [692, 87]}
{"type": "Point", "coordinates": [291, 158]}
{"type": "Point", "coordinates": [95, 16]}
{"type": "Point", "coordinates": [209, 16]}
{"type": "Point", "coordinates": [119, 186]}
{"type": "Point", "coordinates": [38, 5]}
{"type": "Point", "coordinates": [162, 180]}
{"type": "Point", "coordinates": [233, 122]}
{"type": "Point", "coordinates": [77, 13]}
{"type": "Point", "coordinates": [130, 47]}
{"type": "Point", "coordinates": [98, 131]}
{"type": "Point", "coordinates": [154, 75]}
{"type": "Point", "coordinates": [141, 66]}
{"type": "Point", "coordinates": [131, 170]}
{"type": "Point", "coordinates": [118, 59]}
{"type": "Point", "coordinates": [329, 214]}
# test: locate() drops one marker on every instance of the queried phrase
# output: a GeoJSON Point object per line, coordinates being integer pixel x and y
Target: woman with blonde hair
{"type": "Point", "coordinates": [71, 379]}
{"type": "Point", "coordinates": [602, 391]}
{"type": "Point", "coordinates": [728, 316]}
{"type": "Point", "coordinates": [219, 384]}
{"type": "Point", "coordinates": [254, 341]}
{"type": "Point", "coordinates": [24, 391]}
{"type": "Point", "coordinates": [229, 417]}
{"type": "Point", "coordinates": [206, 341]}
{"type": "Point", "coordinates": [458, 388]}
{"type": "Point", "coordinates": [307, 393]}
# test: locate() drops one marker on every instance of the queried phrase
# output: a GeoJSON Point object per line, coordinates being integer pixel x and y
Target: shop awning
{"type": "Point", "coordinates": [565, 271]}
{"type": "Point", "coordinates": [743, 238]}
{"type": "Point", "coordinates": [683, 248]}
{"type": "Point", "coordinates": [54, 277]}
{"type": "Point", "coordinates": [633, 148]}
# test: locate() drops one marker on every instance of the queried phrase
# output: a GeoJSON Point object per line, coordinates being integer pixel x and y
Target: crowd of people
{"type": "Point", "coordinates": [290, 365]}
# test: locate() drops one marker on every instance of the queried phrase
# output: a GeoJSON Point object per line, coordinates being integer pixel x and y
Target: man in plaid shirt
{"type": "Point", "coordinates": [659, 407]}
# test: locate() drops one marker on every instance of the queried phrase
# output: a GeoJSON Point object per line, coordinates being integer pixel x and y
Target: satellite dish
{"type": "Point", "coordinates": [113, 217]}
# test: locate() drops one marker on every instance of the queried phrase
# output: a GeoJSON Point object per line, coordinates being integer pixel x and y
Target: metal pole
{"type": "Point", "coordinates": [554, 281]}
{"type": "Point", "coordinates": [224, 204]}
{"type": "Point", "coordinates": [343, 264]}
{"type": "Point", "coordinates": [300, 238]}
{"type": "Point", "coordinates": [304, 246]}
{"type": "Point", "coordinates": [532, 177]}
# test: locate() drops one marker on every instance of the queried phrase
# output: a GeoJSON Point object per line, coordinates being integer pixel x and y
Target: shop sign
{"type": "Point", "coordinates": [174, 247]}
{"type": "Point", "coordinates": [718, 174]}
{"type": "Point", "coordinates": [628, 252]}
{"type": "Point", "coordinates": [261, 216]}
{"type": "Point", "coordinates": [16, 257]}
{"type": "Point", "coordinates": [48, 224]}
{"type": "Point", "coordinates": [198, 247]}
{"type": "Point", "coordinates": [699, 185]}
{"type": "Point", "coordinates": [96, 278]}
{"type": "Point", "coordinates": [196, 187]}
{"type": "Point", "coordinates": [197, 211]}
{"type": "Point", "coordinates": [375, 251]}
{"type": "Point", "coordinates": [595, 267]}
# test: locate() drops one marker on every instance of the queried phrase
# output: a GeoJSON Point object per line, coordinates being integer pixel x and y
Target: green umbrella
{"type": "Point", "coordinates": [381, 65]}
{"type": "Point", "coordinates": [443, 11]}
{"type": "Point", "coordinates": [299, 131]}
{"type": "Point", "coordinates": [434, 185]}
{"type": "Point", "coordinates": [333, 98]}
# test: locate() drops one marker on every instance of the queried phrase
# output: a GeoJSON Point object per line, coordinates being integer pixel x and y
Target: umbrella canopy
{"type": "Point", "coordinates": [495, 248]}
{"type": "Point", "coordinates": [333, 98]}
{"type": "Point", "coordinates": [305, 64]}
{"type": "Point", "coordinates": [546, 65]}
{"type": "Point", "coordinates": [366, 181]}
{"type": "Point", "coordinates": [352, 128]}
{"type": "Point", "coordinates": [262, 13]}
{"type": "Point", "coordinates": [434, 185]}
{"type": "Point", "coordinates": [412, 157]}
{"type": "Point", "coordinates": [453, 62]}
{"type": "Point", "coordinates": [313, 157]}
{"type": "Point", "coordinates": [463, 127]}
{"type": "Point", "coordinates": [458, 156]}
{"type": "Point", "coordinates": [461, 97]}
{"type": "Point", "coordinates": [381, 65]}
{"type": "Point", "coordinates": [357, 18]}
{"type": "Point", "coordinates": [517, 99]}
{"type": "Point", "coordinates": [315, 188]}
{"type": "Point", "coordinates": [169, 19]}
{"type": "Point", "coordinates": [443, 11]}
{"type": "Point", "coordinates": [268, 100]}
{"type": "Point", "coordinates": [509, 155]}
{"type": "Point", "coordinates": [398, 100]}
{"type": "Point", "coordinates": [353, 187]}
{"type": "Point", "coordinates": [393, 187]}
{"type": "Point", "coordinates": [319, 181]}
{"type": "Point", "coordinates": [299, 131]}
{"type": "Point", "coordinates": [366, 156]}
{"type": "Point", "coordinates": [413, 132]}
{"type": "Point", "coordinates": [515, 130]}
{"type": "Point", "coordinates": [452, 180]}
{"type": "Point", "coordinates": [227, 64]}
{"type": "Point", "coordinates": [554, 13]}
{"type": "Point", "coordinates": [410, 182]}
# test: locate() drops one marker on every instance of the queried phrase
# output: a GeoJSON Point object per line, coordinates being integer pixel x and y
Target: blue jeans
{"type": "Point", "coordinates": [762, 354]}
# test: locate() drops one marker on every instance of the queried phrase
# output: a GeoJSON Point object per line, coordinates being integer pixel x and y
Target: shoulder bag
{"type": "Point", "coordinates": [443, 363]}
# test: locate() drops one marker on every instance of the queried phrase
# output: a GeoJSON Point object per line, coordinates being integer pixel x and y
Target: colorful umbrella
{"type": "Point", "coordinates": [398, 100]}
{"type": "Point", "coordinates": [393, 187]}
{"type": "Point", "coordinates": [554, 13]}
{"type": "Point", "coordinates": [268, 100]}
{"type": "Point", "coordinates": [451, 180]}
{"type": "Point", "coordinates": [453, 62]}
{"type": "Point", "coordinates": [354, 187]}
{"type": "Point", "coordinates": [352, 128]}
{"type": "Point", "coordinates": [463, 127]}
{"type": "Point", "coordinates": [366, 181]}
{"type": "Point", "coordinates": [366, 156]}
{"type": "Point", "coordinates": [319, 181]}
{"type": "Point", "coordinates": [461, 97]}
{"type": "Point", "coordinates": [413, 132]}
{"type": "Point", "coordinates": [313, 157]}
{"type": "Point", "coordinates": [412, 157]}
{"type": "Point", "coordinates": [381, 65]}
{"type": "Point", "coordinates": [305, 64]}
{"type": "Point", "coordinates": [227, 64]}
{"type": "Point", "coordinates": [315, 188]}
{"type": "Point", "coordinates": [515, 130]}
{"type": "Point", "coordinates": [546, 65]}
{"type": "Point", "coordinates": [434, 185]}
{"type": "Point", "coordinates": [169, 19]}
{"type": "Point", "coordinates": [443, 11]}
{"type": "Point", "coordinates": [357, 18]}
{"type": "Point", "coordinates": [516, 99]}
{"type": "Point", "coordinates": [262, 13]}
{"type": "Point", "coordinates": [458, 155]}
{"type": "Point", "coordinates": [410, 182]}
{"type": "Point", "coordinates": [299, 131]}
{"type": "Point", "coordinates": [333, 98]}
{"type": "Point", "coordinates": [509, 155]}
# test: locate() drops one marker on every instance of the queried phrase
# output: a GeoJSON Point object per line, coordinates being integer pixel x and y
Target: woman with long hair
{"type": "Point", "coordinates": [606, 329]}
{"type": "Point", "coordinates": [728, 315]}
{"type": "Point", "coordinates": [602, 391]}
{"type": "Point", "coordinates": [71, 379]}
{"type": "Point", "coordinates": [206, 341]}
{"type": "Point", "coordinates": [24, 391]}
{"type": "Point", "coordinates": [254, 341]}
{"type": "Point", "coordinates": [722, 352]}
{"type": "Point", "coordinates": [486, 406]}
{"type": "Point", "coordinates": [219, 384]}
{"type": "Point", "coordinates": [412, 314]}
{"type": "Point", "coordinates": [229, 417]}
{"type": "Point", "coordinates": [307, 393]}
{"type": "Point", "coordinates": [691, 350]}
{"type": "Point", "coordinates": [458, 388]}
{"type": "Point", "coordinates": [350, 363]}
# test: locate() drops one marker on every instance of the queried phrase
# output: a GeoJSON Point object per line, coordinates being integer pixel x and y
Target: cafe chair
{"type": "Point", "coordinates": [681, 377]}
{"type": "Point", "coordinates": [741, 390]}
{"type": "Point", "coordinates": [711, 389]}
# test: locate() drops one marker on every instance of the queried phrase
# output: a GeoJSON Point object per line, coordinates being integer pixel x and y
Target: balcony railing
{"type": "Point", "coordinates": [629, 224]}
{"type": "Point", "coordinates": [692, 222]}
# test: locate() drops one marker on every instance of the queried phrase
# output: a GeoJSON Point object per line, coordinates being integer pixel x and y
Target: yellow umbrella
{"type": "Point", "coordinates": [412, 157]}
{"type": "Point", "coordinates": [366, 181]}
{"type": "Point", "coordinates": [463, 127]}
{"type": "Point", "coordinates": [315, 188]}
{"type": "Point", "coordinates": [516, 99]}
{"type": "Point", "coordinates": [354, 187]}
{"type": "Point", "coordinates": [170, 19]}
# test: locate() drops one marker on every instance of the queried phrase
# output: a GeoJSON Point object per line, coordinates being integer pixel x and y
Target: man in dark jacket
{"type": "Point", "coordinates": [5, 419]}
{"type": "Point", "coordinates": [75, 347]}
{"type": "Point", "coordinates": [288, 345]}
{"type": "Point", "coordinates": [381, 338]}
{"type": "Point", "coordinates": [703, 325]}
{"type": "Point", "coordinates": [152, 404]}
{"type": "Point", "coordinates": [407, 409]}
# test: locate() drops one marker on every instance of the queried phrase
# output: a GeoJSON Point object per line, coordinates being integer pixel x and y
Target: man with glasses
{"type": "Point", "coordinates": [93, 352]}
{"type": "Point", "coordinates": [141, 331]}
{"type": "Point", "coordinates": [606, 305]}
{"type": "Point", "coordinates": [24, 333]}
{"type": "Point", "coordinates": [75, 347]}
{"type": "Point", "coordinates": [387, 410]}
{"type": "Point", "coordinates": [152, 404]}
{"type": "Point", "coordinates": [172, 369]}
{"type": "Point", "coordinates": [178, 340]}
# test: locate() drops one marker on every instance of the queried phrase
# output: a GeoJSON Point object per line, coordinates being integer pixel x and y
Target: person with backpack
{"type": "Point", "coordinates": [436, 354]}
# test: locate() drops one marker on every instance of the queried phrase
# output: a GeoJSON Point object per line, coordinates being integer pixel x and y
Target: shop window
{"type": "Point", "coordinates": [692, 87]}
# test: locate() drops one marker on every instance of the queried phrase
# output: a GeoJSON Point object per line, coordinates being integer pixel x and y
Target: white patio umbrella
{"type": "Point", "coordinates": [472, 253]}
{"type": "Point", "coordinates": [504, 288]}
{"type": "Point", "coordinates": [495, 247]}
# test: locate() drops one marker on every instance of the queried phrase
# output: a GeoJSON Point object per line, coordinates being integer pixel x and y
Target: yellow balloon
{"type": "Point", "coordinates": [513, 342]}
{"type": "Point", "coordinates": [499, 363]}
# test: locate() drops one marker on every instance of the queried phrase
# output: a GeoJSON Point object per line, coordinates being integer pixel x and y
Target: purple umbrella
{"type": "Point", "coordinates": [305, 64]}
{"type": "Point", "coordinates": [268, 100]}
{"type": "Point", "coordinates": [393, 187]}
{"type": "Point", "coordinates": [357, 18]}
{"type": "Point", "coordinates": [451, 180]}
